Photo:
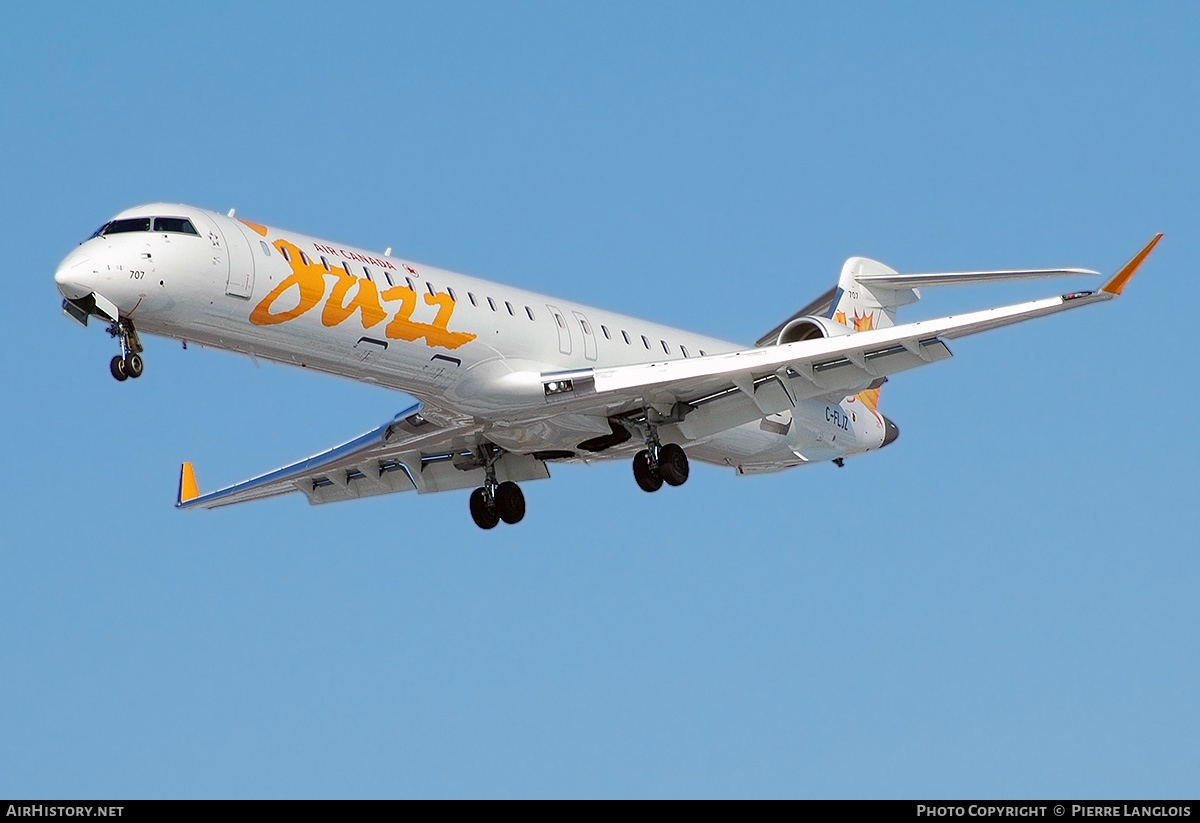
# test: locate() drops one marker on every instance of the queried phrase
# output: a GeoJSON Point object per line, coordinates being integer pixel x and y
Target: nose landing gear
{"type": "Point", "coordinates": [129, 362]}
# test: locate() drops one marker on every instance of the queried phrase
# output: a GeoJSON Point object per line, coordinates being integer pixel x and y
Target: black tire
{"type": "Point", "coordinates": [133, 364]}
{"type": "Point", "coordinates": [117, 367]}
{"type": "Point", "coordinates": [485, 516]}
{"type": "Point", "coordinates": [647, 478]}
{"type": "Point", "coordinates": [510, 502]}
{"type": "Point", "coordinates": [673, 464]}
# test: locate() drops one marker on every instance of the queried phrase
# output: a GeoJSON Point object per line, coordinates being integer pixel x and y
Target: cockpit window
{"type": "Point", "coordinates": [127, 225]}
{"type": "Point", "coordinates": [179, 225]}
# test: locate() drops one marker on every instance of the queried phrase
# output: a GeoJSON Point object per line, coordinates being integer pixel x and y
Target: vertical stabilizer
{"type": "Point", "coordinates": [862, 307]}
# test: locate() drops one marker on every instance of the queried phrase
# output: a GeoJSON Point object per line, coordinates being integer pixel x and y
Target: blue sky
{"type": "Point", "coordinates": [1002, 604]}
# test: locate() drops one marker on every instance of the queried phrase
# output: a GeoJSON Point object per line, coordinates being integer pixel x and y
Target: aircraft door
{"type": "Point", "coordinates": [241, 262]}
{"type": "Point", "coordinates": [564, 333]}
{"type": "Point", "coordinates": [589, 337]}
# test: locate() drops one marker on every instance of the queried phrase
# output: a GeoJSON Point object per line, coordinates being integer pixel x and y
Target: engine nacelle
{"type": "Point", "coordinates": [810, 328]}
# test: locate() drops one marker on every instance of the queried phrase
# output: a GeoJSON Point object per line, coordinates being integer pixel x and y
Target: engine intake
{"type": "Point", "coordinates": [809, 328]}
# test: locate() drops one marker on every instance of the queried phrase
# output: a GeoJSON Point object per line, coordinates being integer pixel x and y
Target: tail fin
{"type": "Point", "coordinates": [862, 306]}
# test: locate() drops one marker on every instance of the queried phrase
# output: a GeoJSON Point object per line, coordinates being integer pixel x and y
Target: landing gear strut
{"type": "Point", "coordinates": [129, 362]}
{"type": "Point", "coordinates": [493, 502]}
{"type": "Point", "coordinates": [658, 462]}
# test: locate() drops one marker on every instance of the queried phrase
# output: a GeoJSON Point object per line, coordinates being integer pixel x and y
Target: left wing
{"type": "Point", "coordinates": [776, 376]}
{"type": "Point", "coordinates": [407, 453]}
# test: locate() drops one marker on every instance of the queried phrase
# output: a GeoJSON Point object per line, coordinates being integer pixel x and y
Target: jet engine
{"type": "Point", "coordinates": [809, 328]}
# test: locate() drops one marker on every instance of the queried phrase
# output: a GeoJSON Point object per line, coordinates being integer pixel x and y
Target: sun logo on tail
{"type": "Point", "coordinates": [864, 323]}
{"type": "Point", "coordinates": [861, 322]}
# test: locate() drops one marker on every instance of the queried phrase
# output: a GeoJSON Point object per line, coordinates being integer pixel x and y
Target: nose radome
{"type": "Point", "coordinates": [76, 276]}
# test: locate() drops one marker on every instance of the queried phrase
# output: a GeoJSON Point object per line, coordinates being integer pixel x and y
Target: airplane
{"type": "Point", "coordinates": [509, 381]}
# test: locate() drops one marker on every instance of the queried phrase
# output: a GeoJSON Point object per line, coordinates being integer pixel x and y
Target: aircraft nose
{"type": "Point", "coordinates": [890, 431]}
{"type": "Point", "coordinates": [76, 276]}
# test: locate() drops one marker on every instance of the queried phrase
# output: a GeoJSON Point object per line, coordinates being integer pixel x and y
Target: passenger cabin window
{"type": "Point", "coordinates": [283, 250]}
{"type": "Point", "coordinates": [367, 272]}
{"type": "Point", "coordinates": [471, 295]}
{"type": "Point", "coordinates": [558, 319]}
{"type": "Point", "coordinates": [304, 259]}
{"type": "Point", "coordinates": [529, 311]}
{"type": "Point", "coordinates": [492, 303]}
{"type": "Point", "coordinates": [450, 292]}
{"type": "Point", "coordinates": [127, 225]}
{"type": "Point", "coordinates": [267, 249]}
{"type": "Point", "coordinates": [646, 341]}
{"type": "Point", "coordinates": [432, 290]}
{"type": "Point", "coordinates": [324, 262]}
{"type": "Point", "coordinates": [510, 308]}
{"type": "Point", "coordinates": [684, 350]}
{"type": "Point", "coordinates": [604, 329]}
{"type": "Point", "coordinates": [666, 348]}
{"type": "Point", "coordinates": [583, 324]}
{"type": "Point", "coordinates": [625, 334]}
{"type": "Point", "coordinates": [388, 277]}
{"type": "Point", "coordinates": [178, 225]}
{"type": "Point", "coordinates": [346, 267]}
{"type": "Point", "coordinates": [411, 287]}
{"type": "Point", "coordinates": [703, 353]}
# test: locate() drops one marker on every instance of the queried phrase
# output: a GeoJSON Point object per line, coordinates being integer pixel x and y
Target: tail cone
{"type": "Point", "coordinates": [890, 431]}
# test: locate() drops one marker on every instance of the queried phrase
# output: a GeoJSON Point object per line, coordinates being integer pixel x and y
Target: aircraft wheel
{"type": "Point", "coordinates": [673, 464]}
{"type": "Point", "coordinates": [510, 502]}
{"type": "Point", "coordinates": [133, 365]}
{"type": "Point", "coordinates": [485, 516]}
{"type": "Point", "coordinates": [117, 367]}
{"type": "Point", "coordinates": [649, 479]}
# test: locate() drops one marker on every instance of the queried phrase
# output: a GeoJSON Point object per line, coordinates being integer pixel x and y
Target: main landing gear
{"type": "Point", "coordinates": [129, 362]}
{"type": "Point", "coordinates": [493, 502]}
{"type": "Point", "coordinates": [656, 463]}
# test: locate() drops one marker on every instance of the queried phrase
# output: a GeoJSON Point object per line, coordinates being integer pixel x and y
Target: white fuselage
{"type": "Point", "coordinates": [467, 348]}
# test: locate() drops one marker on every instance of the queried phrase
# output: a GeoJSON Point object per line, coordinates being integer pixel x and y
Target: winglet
{"type": "Point", "coordinates": [187, 485]}
{"type": "Point", "coordinates": [1119, 279]}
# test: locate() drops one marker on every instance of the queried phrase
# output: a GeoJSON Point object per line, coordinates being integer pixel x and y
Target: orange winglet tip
{"type": "Point", "coordinates": [187, 485]}
{"type": "Point", "coordinates": [1119, 279]}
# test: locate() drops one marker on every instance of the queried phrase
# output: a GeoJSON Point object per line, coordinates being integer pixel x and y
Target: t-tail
{"type": "Point", "coordinates": [863, 301]}
{"type": "Point", "coordinates": [861, 304]}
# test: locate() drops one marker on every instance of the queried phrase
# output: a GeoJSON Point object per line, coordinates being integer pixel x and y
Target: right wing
{"type": "Point", "coordinates": [407, 453]}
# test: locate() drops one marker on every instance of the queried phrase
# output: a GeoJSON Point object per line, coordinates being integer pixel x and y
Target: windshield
{"type": "Point", "coordinates": [127, 225]}
{"type": "Point", "coordinates": [180, 225]}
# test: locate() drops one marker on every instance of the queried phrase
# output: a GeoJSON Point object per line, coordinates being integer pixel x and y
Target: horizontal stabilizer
{"type": "Point", "coordinates": [955, 278]}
